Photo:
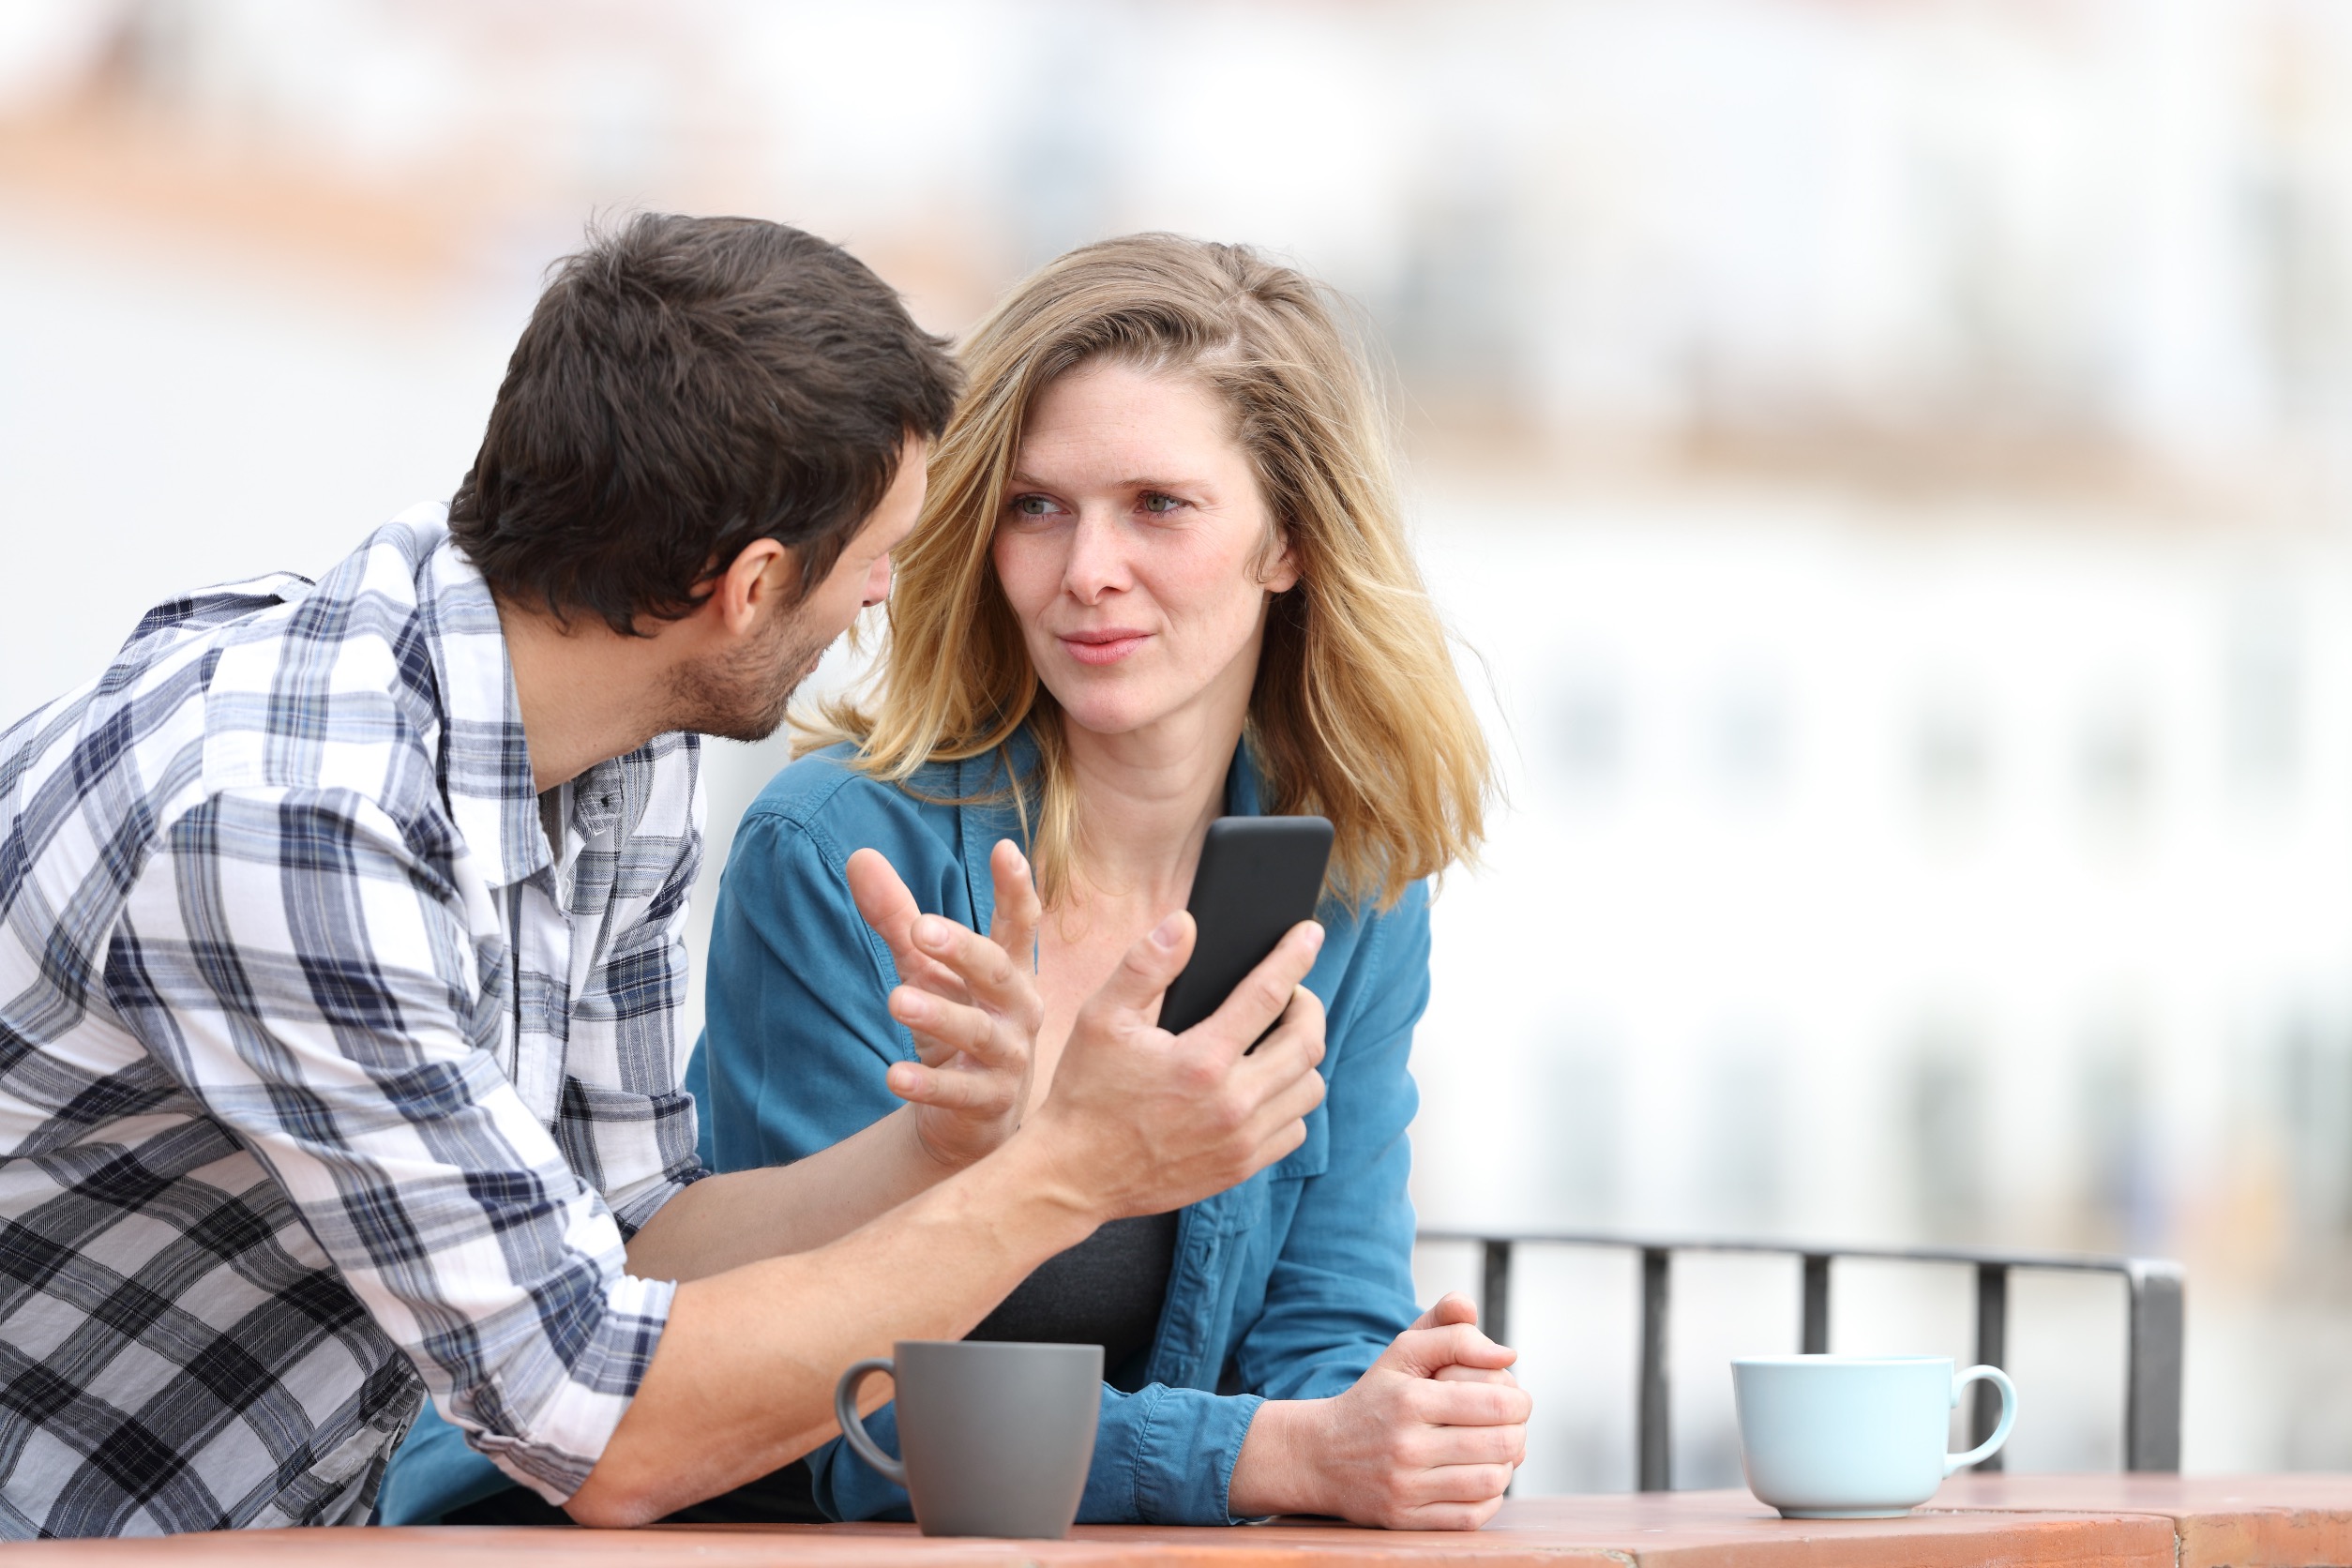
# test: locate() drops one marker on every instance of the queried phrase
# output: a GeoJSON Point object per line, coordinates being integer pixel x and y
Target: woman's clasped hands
{"type": "Point", "coordinates": [1428, 1438]}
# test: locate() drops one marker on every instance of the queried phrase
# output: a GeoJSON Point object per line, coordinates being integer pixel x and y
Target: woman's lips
{"type": "Point", "coordinates": [1103, 647]}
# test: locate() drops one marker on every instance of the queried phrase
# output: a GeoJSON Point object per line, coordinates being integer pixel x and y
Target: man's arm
{"type": "Point", "coordinates": [1138, 1122]}
{"type": "Point", "coordinates": [973, 1008]}
{"type": "Point", "coordinates": [306, 975]}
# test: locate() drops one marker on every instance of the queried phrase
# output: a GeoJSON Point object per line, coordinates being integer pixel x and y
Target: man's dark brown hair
{"type": "Point", "coordinates": [688, 385]}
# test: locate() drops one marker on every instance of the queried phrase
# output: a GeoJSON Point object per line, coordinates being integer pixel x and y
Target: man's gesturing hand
{"type": "Point", "coordinates": [970, 1002]}
{"type": "Point", "coordinates": [1139, 1120]}
{"type": "Point", "coordinates": [1426, 1440]}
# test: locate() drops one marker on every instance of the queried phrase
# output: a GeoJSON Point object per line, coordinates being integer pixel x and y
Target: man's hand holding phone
{"type": "Point", "coordinates": [1139, 1120]}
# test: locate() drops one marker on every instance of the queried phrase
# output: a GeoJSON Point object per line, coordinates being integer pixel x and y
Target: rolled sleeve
{"type": "Point", "coordinates": [1169, 1455]}
{"type": "Point", "coordinates": [574, 1405]}
{"type": "Point", "coordinates": [308, 976]}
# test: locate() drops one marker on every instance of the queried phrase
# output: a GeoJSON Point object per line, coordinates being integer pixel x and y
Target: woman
{"type": "Point", "coordinates": [1160, 577]}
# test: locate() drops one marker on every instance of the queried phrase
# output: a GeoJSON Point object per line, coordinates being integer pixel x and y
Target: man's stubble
{"type": "Point", "coordinates": [746, 695]}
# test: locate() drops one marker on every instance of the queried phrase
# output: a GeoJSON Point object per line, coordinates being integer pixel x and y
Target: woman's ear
{"type": "Point", "coordinates": [1278, 567]}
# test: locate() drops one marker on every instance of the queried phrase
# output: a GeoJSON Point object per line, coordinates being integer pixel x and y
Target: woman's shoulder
{"type": "Point", "coordinates": [1364, 919]}
{"type": "Point", "coordinates": [828, 786]}
{"type": "Point", "coordinates": [1371, 954]}
{"type": "Point", "coordinates": [828, 800]}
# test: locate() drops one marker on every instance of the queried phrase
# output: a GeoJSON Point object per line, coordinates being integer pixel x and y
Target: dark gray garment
{"type": "Point", "coordinates": [1106, 1290]}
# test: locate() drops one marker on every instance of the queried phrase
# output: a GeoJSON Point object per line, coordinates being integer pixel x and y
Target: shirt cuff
{"type": "Point", "coordinates": [1184, 1456]}
{"type": "Point", "coordinates": [551, 1448]}
{"type": "Point", "coordinates": [633, 1210]}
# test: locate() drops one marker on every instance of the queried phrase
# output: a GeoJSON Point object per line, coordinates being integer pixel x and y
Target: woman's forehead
{"type": "Point", "coordinates": [1105, 408]}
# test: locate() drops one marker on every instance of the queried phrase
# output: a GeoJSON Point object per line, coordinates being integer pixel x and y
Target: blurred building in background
{"type": "Point", "coordinates": [1890, 464]}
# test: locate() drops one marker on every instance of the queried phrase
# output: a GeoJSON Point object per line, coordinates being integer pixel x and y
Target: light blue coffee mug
{"type": "Point", "coordinates": [1854, 1437]}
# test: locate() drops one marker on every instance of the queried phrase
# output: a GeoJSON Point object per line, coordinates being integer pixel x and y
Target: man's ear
{"type": "Point", "coordinates": [760, 582]}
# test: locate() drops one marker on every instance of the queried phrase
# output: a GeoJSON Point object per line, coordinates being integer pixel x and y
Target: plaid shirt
{"type": "Point", "coordinates": [324, 1080]}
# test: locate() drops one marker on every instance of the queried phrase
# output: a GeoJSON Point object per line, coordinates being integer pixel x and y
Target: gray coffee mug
{"type": "Point", "coordinates": [998, 1435]}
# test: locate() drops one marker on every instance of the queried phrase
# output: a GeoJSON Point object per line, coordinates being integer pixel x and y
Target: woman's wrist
{"type": "Point", "coordinates": [1276, 1472]}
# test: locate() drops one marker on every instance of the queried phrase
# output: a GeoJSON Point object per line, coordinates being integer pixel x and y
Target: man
{"type": "Point", "coordinates": [340, 967]}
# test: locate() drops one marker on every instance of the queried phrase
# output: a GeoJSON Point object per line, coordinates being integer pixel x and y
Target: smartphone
{"type": "Point", "coordinates": [1258, 876]}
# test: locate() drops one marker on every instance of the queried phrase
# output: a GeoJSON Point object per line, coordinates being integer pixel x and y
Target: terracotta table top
{"type": "Point", "coordinates": [2111, 1521]}
{"type": "Point", "coordinates": [2222, 1520]}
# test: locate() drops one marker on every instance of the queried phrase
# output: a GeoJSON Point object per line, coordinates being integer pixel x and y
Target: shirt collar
{"type": "Point", "coordinates": [990, 816]}
{"type": "Point", "coordinates": [485, 764]}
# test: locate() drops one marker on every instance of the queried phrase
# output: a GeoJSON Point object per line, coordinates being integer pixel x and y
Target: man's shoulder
{"type": "Point", "coordinates": [338, 688]}
{"type": "Point", "coordinates": [225, 697]}
{"type": "Point", "coordinates": [272, 682]}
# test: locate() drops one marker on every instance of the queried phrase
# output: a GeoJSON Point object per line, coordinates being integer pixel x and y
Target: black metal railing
{"type": "Point", "coordinates": [2152, 1389]}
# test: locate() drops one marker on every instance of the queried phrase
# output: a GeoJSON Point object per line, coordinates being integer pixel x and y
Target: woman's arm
{"type": "Point", "coordinates": [1341, 1286]}
{"type": "Point", "coordinates": [1339, 1292]}
{"type": "Point", "coordinates": [1373, 1415]}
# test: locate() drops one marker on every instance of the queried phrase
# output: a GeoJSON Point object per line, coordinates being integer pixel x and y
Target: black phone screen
{"type": "Point", "coordinates": [1258, 876]}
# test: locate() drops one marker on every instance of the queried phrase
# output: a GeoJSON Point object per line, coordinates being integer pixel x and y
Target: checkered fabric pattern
{"type": "Point", "coordinates": [324, 1077]}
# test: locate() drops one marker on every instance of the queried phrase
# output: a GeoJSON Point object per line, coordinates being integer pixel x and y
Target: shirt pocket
{"type": "Point", "coordinates": [1312, 1157]}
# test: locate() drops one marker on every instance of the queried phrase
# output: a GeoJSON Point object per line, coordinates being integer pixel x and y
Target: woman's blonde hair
{"type": "Point", "coordinates": [1357, 713]}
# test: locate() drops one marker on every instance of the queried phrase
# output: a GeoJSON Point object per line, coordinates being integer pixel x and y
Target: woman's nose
{"type": "Point", "coordinates": [1097, 563]}
{"type": "Point", "coordinates": [878, 583]}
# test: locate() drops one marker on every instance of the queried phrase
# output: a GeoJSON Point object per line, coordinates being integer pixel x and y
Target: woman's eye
{"type": "Point", "coordinates": [1159, 506]}
{"type": "Point", "coordinates": [1031, 506]}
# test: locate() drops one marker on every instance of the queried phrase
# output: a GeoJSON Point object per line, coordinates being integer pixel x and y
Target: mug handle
{"type": "Point", "coordinates": [1991, 1446]}
{"type": "Point", "coordinates": [845, 1411]}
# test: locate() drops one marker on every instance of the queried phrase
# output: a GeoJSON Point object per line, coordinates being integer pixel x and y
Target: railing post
{"type": "Point", "coordinates": [1816, 1338]}
{"type": "Point", "coordinates": [2151, 1398]}
{"type": "Point", "coordinates": [1494, 1292]}
{"type": "Point", "coordinates": [1992, 1350]}
{"type": "Point", "coordinates": [2152, 1382]}
{"type": "Point", "coordinates": [1650, 1434]}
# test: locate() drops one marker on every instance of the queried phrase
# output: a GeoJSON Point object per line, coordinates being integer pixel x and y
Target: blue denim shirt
{"type": "Point", "coordinates": [1286, 1287]}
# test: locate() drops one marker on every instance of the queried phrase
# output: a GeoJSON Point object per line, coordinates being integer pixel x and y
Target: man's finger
{"type": "Point", "coordinates": [987, 971]}
{"type": "Point", "coordinates": [1276, 1146]}
{"type": "Point", "coordinates": [1156, 959]}
{"type": "Point", "coordinates": [1287, 1104]}
{"type": "Point", "coordinates": [1266, 990]}
{"type": "Point", "coordinates": [1295, 1049]}
{"type": "Point", "coordinates": [882, 895]}
{"type": "Point", "coordinates": [949, 1027]}
{"type": "Point", "coordinates": [885, 904]}
{"type": "Point", "coordinates": [1457, 1373]}
{"type": "Point", "coordinates": [949, 1089]}
{"type": "Point", "coordinates": [1014, 926]}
